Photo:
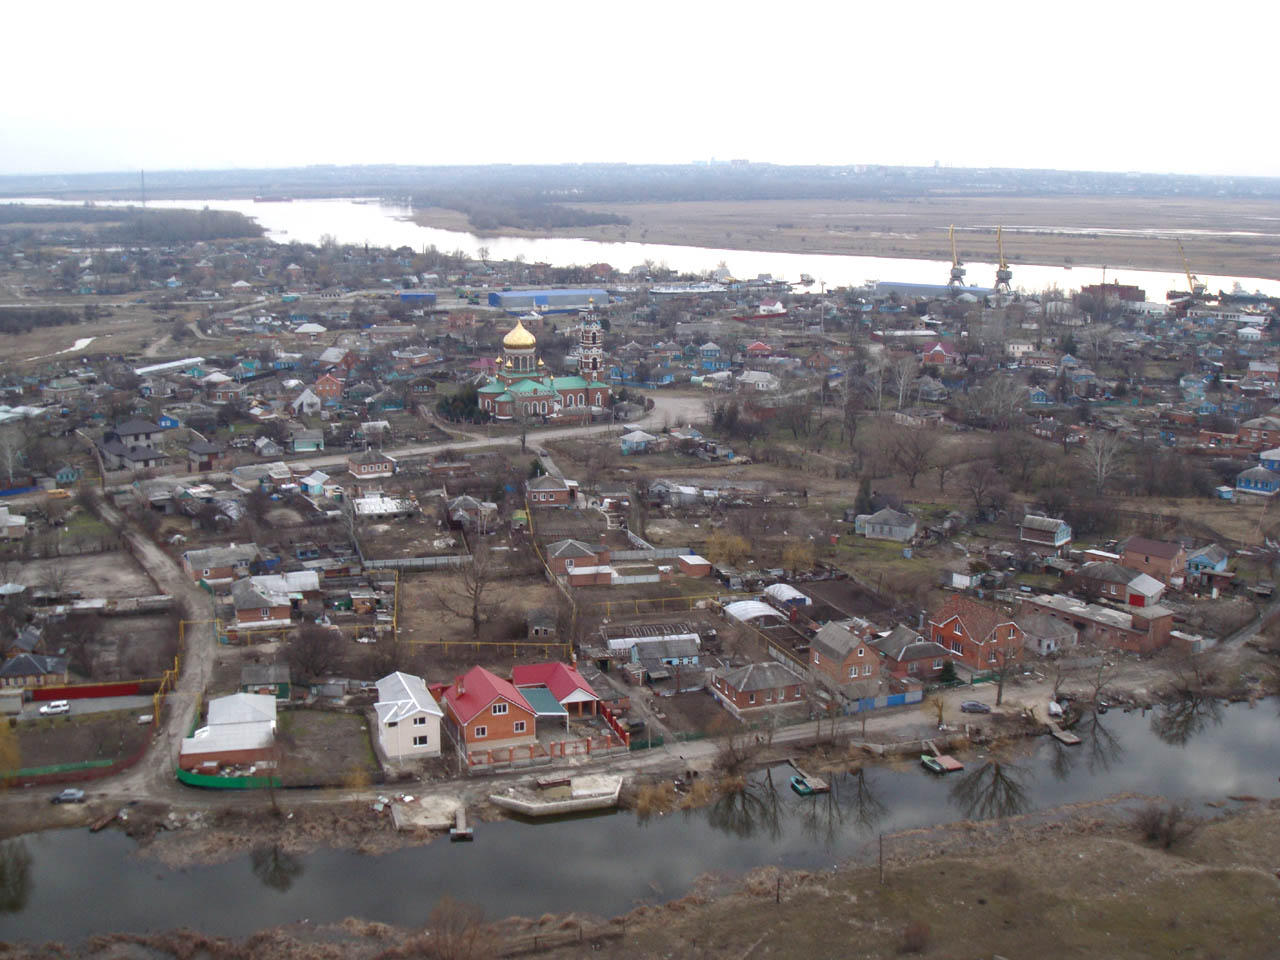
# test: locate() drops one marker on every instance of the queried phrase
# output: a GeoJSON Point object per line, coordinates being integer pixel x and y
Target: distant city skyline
{"type": "Point", "coordinates": [151, 86]}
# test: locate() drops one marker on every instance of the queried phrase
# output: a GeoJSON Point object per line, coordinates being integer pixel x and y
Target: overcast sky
{"type": "Point", "coordinates": [1104, 86]}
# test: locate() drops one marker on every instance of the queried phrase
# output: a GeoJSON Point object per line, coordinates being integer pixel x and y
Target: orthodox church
{"type": "Point", "coordinates": [522, 386]}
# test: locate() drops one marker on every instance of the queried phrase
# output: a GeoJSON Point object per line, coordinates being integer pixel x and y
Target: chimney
{"type": "Point", "coordinates": [462, 690]}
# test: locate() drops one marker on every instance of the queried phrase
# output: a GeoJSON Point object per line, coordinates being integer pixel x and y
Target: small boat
{"type": "Point", "coordinates": [940, 764]}
{"type": "Point", "coordinates": [807, 786]}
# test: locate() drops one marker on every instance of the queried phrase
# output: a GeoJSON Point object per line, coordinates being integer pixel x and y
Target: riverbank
{"type": "Point", "coordinates": [1081, 878]}
{"type": "Point", "coordinates": [1222, 237]}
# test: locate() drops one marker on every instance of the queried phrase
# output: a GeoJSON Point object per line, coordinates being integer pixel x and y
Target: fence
{"type": "Point", "coordinates": [77, 772]}
{"type": "Point", "coordinates": [539, 753]}
{"type": "Point", "coordinates": [85, 691]}
{"type": "Point", "coordinates": [210, 782]}
{"type": "Point", "coordinates": [619, 580]}
{"type": "Point", "coordinates": [879, 703]}
{"type": "Point", "coordinates": [653, 553]}
{"type": "Point", "coordinates": [418, 563]}
{"type": "Point", "coordinates": [614, 725]}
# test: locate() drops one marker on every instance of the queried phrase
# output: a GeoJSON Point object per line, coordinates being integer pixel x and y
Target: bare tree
{"type": "Point", "coordinates": [475, 581]}
{"type": "Point", "coordinates": [902, 372]}
{"type": "Point", "coordinates": [912, 451]}
{"type": "Point", "coordinates": [983, 483]}
{"type": "Point", "coordinates": [1101, 452]}
{"type": "Point", "coordinates": [314, 650]}
{"type": "Point", "coordinates": [12, 445]}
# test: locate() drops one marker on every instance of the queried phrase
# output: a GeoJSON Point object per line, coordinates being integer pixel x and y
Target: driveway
{"type": "Point", "coordinates": [142, 704]}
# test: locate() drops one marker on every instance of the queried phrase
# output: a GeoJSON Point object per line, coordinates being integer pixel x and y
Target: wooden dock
{"type": "Point", "coordinates": [460, 830]}
{"type": "Point", "coordinates": [942, 762]}
{"type": "Point", "coordinates": [1063, 736]}
{"type": "Point", "coordinates": [806, 783]}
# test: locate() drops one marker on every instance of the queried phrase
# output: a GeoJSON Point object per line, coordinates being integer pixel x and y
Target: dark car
{"type": "Point", "coordinates": [974, 706]}
{"type": "Point", "coordinates": [69, 795]}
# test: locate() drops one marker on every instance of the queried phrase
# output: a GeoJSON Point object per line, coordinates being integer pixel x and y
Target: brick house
{"type": "Point", "coordinates": [757, 687]}
{"type": "Point", "coordinates": [548, 491]}
{"type": "Point", "coordinates": [220, 563]}
{"type": "Point", "coordinates": [841, 653]}
{"type": "Point", "coordinates": [940, 354]}
{"type": "Point", "coordinates": [1260, 432]}
{"type": "Point", "coordinates": [908, 656]}
{"type": "Point", "coordinates": [203, 456]}
{"type": "Point", "coordinates": [485, 712]}
{"type": "Point", "coordinates": [33, 670]}
{"type": "Point", "coordinates": [259, 604]}
{"type": "Point", "coordinates": [1166, 562]}
{"type": "Point", "coordinates": [1119, 584]}
{"type": "Point", "coordinates": [975, 634]}
{"type": "Point", "coordinates": [564, 555]}
{"type": "Point", "coordinates": [327, 387]}
{"type": "Point", "coordinates": [368, 464]}
{"type": "Point", "coordinates": [1137, 629]}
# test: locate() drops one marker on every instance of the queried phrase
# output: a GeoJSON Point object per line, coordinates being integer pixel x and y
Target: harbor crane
{"type": "Point", "coordinates": [1003, 273]}
{"type": "Point", "coordinates": [1194, 286]}
{"type": "Point", "coordinates": [957, 271]}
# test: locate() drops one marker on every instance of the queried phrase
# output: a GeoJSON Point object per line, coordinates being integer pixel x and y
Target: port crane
{"type": "Point", "coordinates": [1194, 286]}
{"type": "Point", "coordinates": [1003, 273]}
{"type": "Point", "coordinates": [957, 271]}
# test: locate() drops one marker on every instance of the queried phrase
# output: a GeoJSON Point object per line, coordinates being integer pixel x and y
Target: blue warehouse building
{"type": "Point", "coordinates": [423, 298]}
{"type": "Point", "coordinates": [549, 301]}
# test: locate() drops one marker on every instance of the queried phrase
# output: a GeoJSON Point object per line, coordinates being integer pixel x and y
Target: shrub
{"type": "Point", "coordinates": [1166, 826]}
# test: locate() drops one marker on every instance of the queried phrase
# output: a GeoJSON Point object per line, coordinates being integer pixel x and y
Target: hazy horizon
{"type": "Point", "coordinates": [985, 85]}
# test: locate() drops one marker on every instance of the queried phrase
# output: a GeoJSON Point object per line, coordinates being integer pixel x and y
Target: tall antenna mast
{"type": "Point", "coordinates": [142, 178]}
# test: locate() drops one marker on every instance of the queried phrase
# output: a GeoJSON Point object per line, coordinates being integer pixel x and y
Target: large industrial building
{"type": "Point", "coordinates": [548, 301]}
{"type": "Point", "coordinates": [937, 291]}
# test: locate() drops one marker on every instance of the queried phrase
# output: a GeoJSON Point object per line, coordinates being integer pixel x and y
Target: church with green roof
{"type": "Point", "coordinates": [522, 386]}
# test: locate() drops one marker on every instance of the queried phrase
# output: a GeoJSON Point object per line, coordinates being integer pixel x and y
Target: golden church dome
{"type": "Point", "coordinates": [519, 338]}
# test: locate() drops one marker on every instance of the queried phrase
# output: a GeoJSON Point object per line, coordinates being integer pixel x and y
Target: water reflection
{"type": "Point", "coordinates": [15, 875]}
{"type": "Point", "coordinates": [1099, 745]}
{"type": "Point", "coordinates": [1178, 722]}
{"type": "Point", "coordinates": [997, 788]}
{"type": "Point", "coordinates": [749, 808]}
{"type": "Point", "coordinates": [851, 800]}
{"type": "Point", "coordinates": [275, 867]}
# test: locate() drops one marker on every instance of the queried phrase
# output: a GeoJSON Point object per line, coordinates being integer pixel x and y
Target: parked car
{"type": "Point", "coordinates": [69, 795]}
{"type": "Point", "coordinates": [55, 707]}
{"type": "Point", "coordinates": [974, 706]}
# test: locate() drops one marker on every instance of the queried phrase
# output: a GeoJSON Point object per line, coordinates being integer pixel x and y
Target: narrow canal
{"type": "Point", "coordinates": [68, 884]}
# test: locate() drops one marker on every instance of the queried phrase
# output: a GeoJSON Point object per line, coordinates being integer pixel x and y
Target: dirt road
{"type": "Point", "coordinates": [153, 776]}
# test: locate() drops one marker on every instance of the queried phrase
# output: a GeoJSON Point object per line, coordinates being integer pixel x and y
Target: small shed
{"type": "Point", "coordinates": [267, 678]}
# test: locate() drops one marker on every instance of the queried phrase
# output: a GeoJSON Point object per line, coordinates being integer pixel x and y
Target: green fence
{"type": "Point", "coordinates": [55, 768]}
{"type": "Point", "coordinates": [226, 783]}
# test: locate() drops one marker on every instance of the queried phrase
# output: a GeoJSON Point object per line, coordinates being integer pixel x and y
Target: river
{"type": "Point", "coordinates": [76, 884]}
{"type": "Point", "coordinates": [386, 225]}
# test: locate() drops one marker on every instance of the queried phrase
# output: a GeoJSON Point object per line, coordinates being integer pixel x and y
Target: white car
{"type": "Point", "coordinates": [55, 707]}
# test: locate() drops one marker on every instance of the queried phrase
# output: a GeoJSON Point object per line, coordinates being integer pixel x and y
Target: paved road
{"type": "Point", "coordinates": [142, 704]}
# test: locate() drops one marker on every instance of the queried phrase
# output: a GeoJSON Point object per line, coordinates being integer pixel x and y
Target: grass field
{"type": "Point", "coordinates": [322, 747]}
{"type": "Point", "coordinates": [1103, 230]}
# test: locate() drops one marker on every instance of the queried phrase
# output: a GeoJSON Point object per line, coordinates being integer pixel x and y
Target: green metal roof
{"type": "Point", "coordinates": [544, 702]}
